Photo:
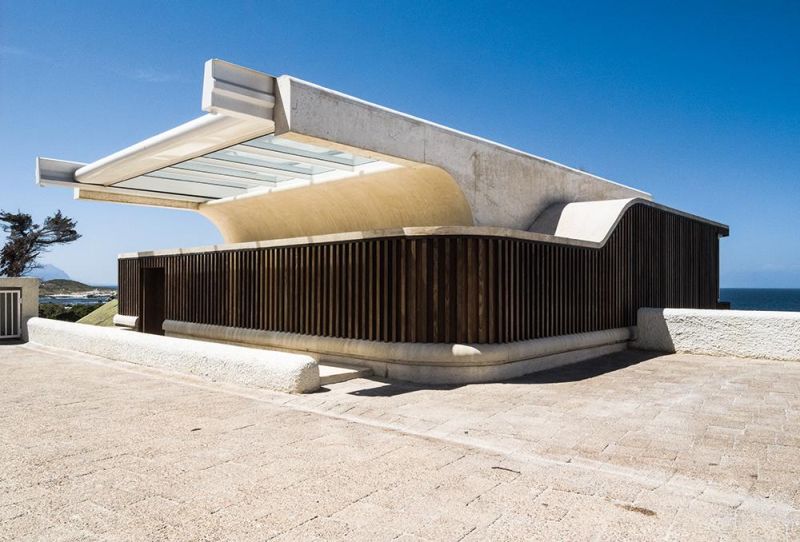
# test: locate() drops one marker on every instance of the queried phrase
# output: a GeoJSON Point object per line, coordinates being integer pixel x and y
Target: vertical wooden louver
{"type": "Point", "coordinates": [461, 288]}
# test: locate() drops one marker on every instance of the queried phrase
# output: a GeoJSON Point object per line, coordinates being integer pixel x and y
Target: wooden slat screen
{"type": "Point", "coordinates": [444, 288]}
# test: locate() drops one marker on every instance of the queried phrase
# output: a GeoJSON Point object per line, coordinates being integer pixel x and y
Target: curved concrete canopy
{"type": "Point", "coordinates": [265, 136]}
{"type": "Point", "coordinates": [587, 220]}
{"type": "Point", "coordinates": [593, 221]}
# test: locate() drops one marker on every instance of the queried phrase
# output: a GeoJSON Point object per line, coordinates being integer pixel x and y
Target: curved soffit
{"type": "Point", "coordinates": [397, 198]}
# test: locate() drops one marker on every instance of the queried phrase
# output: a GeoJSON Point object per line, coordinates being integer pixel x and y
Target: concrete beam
{"type": "Point", "coordinates": [233, 90]}
{"type": "Point", "coordinates": [505, 187]}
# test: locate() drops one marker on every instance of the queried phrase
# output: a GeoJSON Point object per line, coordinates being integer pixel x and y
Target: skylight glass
{"type": "Point", "coordinates": [266, 161]}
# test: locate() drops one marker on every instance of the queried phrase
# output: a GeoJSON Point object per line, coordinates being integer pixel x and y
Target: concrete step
{"type": "Point", "coordinates": [333, 373]}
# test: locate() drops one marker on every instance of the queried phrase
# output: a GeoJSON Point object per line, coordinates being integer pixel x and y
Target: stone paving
{"type": "Point", "coordinates": [630, 446]}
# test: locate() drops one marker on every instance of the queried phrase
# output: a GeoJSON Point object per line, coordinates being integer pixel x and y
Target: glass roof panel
{"type": "Point", "coordinates": [304, 149]}
{"type": "Point", "coordinates": [289, 166]}
{"type": "Point", "coordinates": [266, 161]}
{"type": "Point", "coordinates": [201, 177]}
{"type": "Point", "coordinates": [173, 186]}
{"type": "Point", "coordinates": [194, 165]}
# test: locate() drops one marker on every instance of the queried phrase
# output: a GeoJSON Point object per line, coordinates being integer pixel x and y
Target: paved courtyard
{"type": "Point", "coordinates": [629, 446]}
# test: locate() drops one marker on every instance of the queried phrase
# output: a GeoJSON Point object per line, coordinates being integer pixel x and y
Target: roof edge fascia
{"type": "Point", "coordinates": [61, 173]}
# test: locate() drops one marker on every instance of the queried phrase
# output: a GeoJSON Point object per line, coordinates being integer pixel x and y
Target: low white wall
{"type": "Point", "coordinates": [746, 334]}
{"type": "Point", "coordinates": [29, 290]}
{"type": "Point", "coordinates": [280, 371]}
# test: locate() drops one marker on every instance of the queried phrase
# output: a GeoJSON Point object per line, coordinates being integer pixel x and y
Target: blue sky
{"type": "Point", "coordinates": [698, 103]}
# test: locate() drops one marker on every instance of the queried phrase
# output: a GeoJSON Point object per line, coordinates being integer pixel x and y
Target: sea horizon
{"type": "Point", "coordinates": [763, 299]}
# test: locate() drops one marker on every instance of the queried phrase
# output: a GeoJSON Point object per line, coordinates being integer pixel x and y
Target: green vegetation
{"type": "Point", "coordinates": [102, 316]}
{"type": "Point", "coordinates": [66, 313]}
{"type": "Point", "coordinates": [26, 240]}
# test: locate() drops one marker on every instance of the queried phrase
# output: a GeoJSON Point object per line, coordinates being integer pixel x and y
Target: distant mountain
{"type": "Point", "coordinates": [49, 272]}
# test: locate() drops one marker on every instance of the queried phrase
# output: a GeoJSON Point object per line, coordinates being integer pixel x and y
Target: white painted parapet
{"type": "Point", "coordinates": [279, 371]}
{"type": "Point", "coordinates": [745, 334]}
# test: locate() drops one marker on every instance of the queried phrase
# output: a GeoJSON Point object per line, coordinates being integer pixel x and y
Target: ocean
{"type": "Point", "coordinates": [73, 300]}
{"type": "Point", "coordinates": [762, 299]}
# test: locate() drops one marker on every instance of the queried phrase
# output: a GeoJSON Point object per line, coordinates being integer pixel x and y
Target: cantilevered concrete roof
{"type": "Point", "coordinates": [276, 157]}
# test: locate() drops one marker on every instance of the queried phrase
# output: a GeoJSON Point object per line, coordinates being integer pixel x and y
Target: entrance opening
{"type": "Point", "coordinates": [152, 313]}
{"type": "Point", "coordinates": [10, 313]}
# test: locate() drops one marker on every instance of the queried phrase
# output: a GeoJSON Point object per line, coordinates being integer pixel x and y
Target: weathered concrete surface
{"type": "Point", "coordinates": [29, 292]}
{"type": "Point", "coordinates": [744, 334]}
{"type": "Point", "coordinates": [281, 371]}
{"type": "Point", "coordinates": [631, 447]}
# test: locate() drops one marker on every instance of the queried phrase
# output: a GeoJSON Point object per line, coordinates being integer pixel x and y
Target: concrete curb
{"type": "Point", "coordinates": [279, 371]}
{"type": "Point", "coordinates": [744, 334]}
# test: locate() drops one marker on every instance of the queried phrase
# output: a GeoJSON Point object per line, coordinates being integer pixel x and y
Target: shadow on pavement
{"type": "Point", "coordinates": [589, 368]}
{"type": "Point", "coordinates": [392, 388]}
{"type": "Point", "coordinates": [569, 373]}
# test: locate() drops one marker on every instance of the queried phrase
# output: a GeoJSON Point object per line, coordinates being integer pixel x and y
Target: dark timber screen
{"type": "Point", "coordinates": [475, 289]}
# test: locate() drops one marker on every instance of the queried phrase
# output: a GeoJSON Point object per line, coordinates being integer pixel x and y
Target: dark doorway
{"type": "Point", "coordinates": [152, 312]}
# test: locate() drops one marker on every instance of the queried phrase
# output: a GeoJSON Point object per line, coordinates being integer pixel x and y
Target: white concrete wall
{"type": "Point", "coordinates": [29, 288]}
{"type": "Point", "coordinates": [280, 371]}
{"type": "Point", "coordinates": [746, 334]}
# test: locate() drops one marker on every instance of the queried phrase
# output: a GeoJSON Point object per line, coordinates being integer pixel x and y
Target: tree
{"type": "Point", "coordinates": [26, 241]}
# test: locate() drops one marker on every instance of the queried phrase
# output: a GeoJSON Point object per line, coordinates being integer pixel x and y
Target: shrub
{"type": "Point", "coordinates": [66, 313]}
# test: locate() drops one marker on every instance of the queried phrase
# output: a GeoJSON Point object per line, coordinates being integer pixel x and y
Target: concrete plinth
{"type": "Point", "coordinates": [426, 363]}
